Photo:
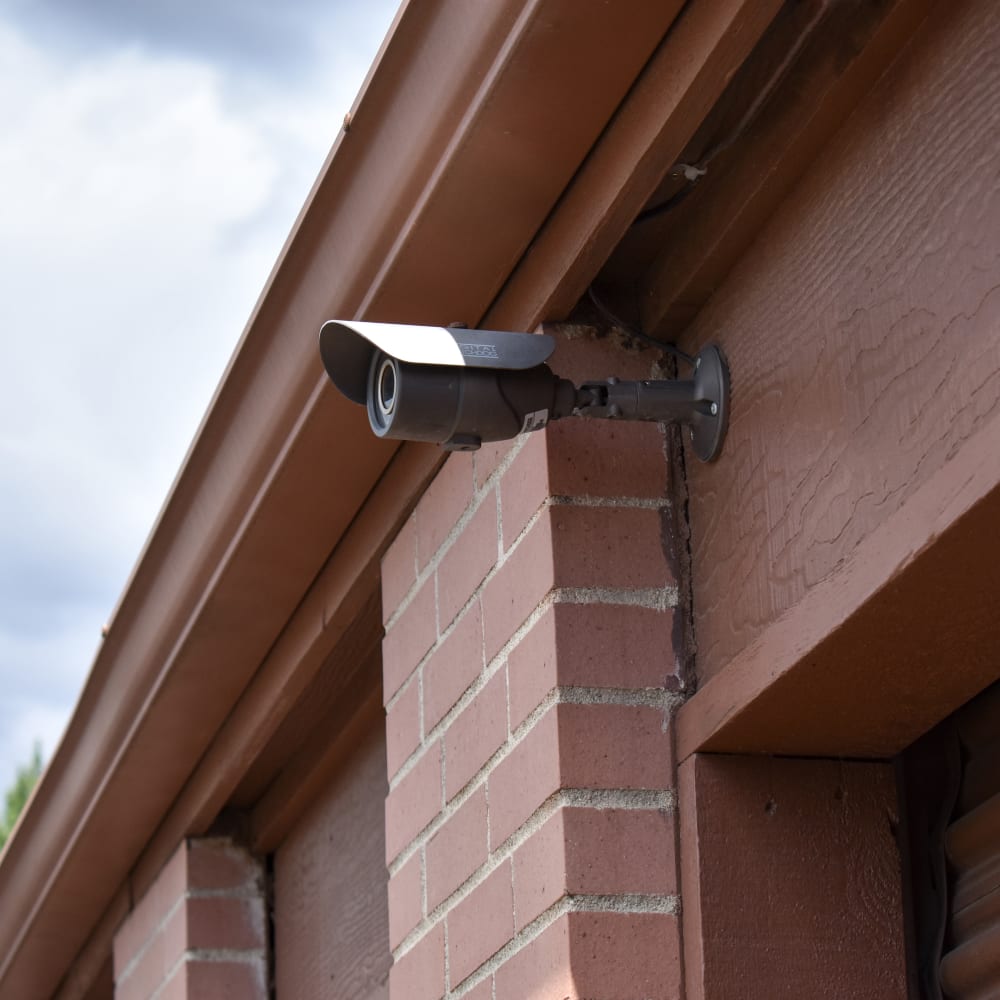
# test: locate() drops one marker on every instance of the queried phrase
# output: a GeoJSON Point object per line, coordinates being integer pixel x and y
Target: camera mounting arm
{"type": "Point", "coordinates": [700, 403]}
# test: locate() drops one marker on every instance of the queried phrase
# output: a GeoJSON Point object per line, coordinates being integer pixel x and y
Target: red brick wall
{"type": "Point", "coordinates": [529, 669]}
{"type": "Point", "coordinates": [200, 931]}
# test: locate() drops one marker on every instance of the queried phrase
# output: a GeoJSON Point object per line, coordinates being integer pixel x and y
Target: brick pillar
{"type": "Point", "coordinates": [200, 931]}
{"type": "Point", "coordinates": [529, 678]}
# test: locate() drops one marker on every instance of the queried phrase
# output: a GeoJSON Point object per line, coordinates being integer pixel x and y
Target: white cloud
{"type": "Point", "coordinates": [129, 175]}
{"type": "Point", "coordinates": [146, 197]}
{"type": "Point", "coordinates": [41, 688]}
{"type": "Point", "coordinates": [32, 722]}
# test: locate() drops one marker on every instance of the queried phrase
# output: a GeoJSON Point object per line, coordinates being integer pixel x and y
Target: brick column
{"type": "Point", "coordinates": [199, 932]}
{"type": "Point", "coordinates": [529, 682]}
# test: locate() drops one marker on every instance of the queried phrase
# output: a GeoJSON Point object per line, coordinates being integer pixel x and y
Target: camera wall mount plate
{"type": "Point", "coordinates": [708, 426]}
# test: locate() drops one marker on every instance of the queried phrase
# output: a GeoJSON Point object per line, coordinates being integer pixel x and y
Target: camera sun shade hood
{"type": "Point", "coordinates": [347, 349]}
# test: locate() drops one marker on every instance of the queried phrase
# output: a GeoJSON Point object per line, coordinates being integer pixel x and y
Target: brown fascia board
{"type": "Point", "coordinates": [472, 125]}
{"type": "Point", "coordinates": [901, 634]}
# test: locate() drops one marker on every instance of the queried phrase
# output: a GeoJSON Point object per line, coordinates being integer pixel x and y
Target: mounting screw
{"type": "Point", "coordinates": [691, 432]}
{"type": "Point", "coordinates": [697, 363]}
{"type": "Point", "coordinates": [714, 409]}
{"type": "Point", "coordinates": [614, 410]}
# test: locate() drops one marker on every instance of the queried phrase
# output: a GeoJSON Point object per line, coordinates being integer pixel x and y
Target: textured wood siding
{"type": "Point", "coordinates": [863, 333]}
{"type": "Point", "coordinates": [791, 879]}
{"type": "Point", "coordinates": [331, 922]}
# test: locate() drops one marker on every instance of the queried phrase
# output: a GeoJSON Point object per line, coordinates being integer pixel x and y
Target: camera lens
{"type": "Point", "coordinates": [386, 387]}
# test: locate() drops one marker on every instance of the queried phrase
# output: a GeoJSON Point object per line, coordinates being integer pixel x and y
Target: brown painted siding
{"type": "Point", "coordinates": [862, 332]}
{"type": "Point", "coordinates": [331, 924]}
{"type": "Point", "coordinates": [791, 879]}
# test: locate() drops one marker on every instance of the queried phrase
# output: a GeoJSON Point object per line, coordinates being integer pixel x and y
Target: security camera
{"type": "Point", "coordinates": [459, 387]}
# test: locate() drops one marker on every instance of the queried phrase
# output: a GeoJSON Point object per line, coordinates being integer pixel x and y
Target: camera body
{"type": "Point", "coordinates": [458, 387]}
{"type": "Point", "coordinates": [453, 387]}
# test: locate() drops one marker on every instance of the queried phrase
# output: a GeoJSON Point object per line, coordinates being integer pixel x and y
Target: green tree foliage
{"type": "Point", "coordinates": [17, 794]}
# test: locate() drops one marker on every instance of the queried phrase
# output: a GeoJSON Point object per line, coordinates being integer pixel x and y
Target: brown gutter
{"type": "Point", "coordinates": [467, 133]}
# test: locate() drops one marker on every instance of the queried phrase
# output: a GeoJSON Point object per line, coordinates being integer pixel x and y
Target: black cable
{"type": "Point", "coordinates": [636, 334]}
{"type": "Point", "coordinates": [692, 172]}
{"type": "Point", "coordinates": [665, 206]}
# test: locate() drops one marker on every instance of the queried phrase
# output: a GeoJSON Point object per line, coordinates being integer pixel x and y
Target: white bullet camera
{"type": "Point", "coordinates": [460, 387]}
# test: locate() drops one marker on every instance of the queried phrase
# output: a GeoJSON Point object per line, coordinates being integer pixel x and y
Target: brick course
{"type": "Point", "coordinates": [458, 849]}
{"type": "Point", "coordinates": [419, 974]}
{"type": "Point", "coordinates": [480, 925]}
{"type": "Point", "coordinates": [608, 547]}
{"type": "Point", "coordinates": [581, 851]}
{"type": "Point", "coordinates": [402, 728]}
{"type": "Point", "coordinates": [467, 562]}
{"type": "Point", "coordinates": [598, 646]}
{"type": "Point", "coordinates": [408, 639]}
{"type": "Point", "coordinates": [399, 568]}
{"type": "Point", "coordinates": [614, 746]}
{"type": "Point", "coordinates": [489, 458]}
{"type": "Point", "coordinates": [413, 803]}
{"type": "Point", "coordinates": [199, 931]}
{"type": "Point", "coordinates": [225, 980]}
{"type": "Point", "coordinates": [604, 459]}
{"type": "Point", "coordinates": [632, 956]}
{"type": "Point", "coordinates": [442, 505]}
{"type": "Point", "coordinates": [524, 779]}
{"type": "Point", "coordinates": [405, 899]}
{"type": "Point", "coordinates": [476, 734]}
{"type": "Point", "coordinates": [524, 487]}
{"type": "Point", "coordinates": [163, 896]}
{"type": "Point", "coordinates": [215, 864]}
{"type": "Point", "coordinates": [518, 587]}
{"type": "Point", "coordinates": [456, 663]}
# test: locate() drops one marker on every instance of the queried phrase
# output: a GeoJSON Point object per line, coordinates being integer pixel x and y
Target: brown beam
{"type": "Point", "coordinates": [893, 641]}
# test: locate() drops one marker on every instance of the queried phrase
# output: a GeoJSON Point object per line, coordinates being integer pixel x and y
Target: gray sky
{"type": "Point", "coordinates": [153, 157]}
